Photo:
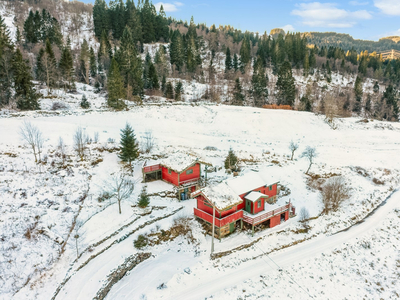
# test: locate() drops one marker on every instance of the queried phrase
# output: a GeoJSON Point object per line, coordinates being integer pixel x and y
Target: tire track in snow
{"type": "Point", "coordinates": [210, 283]}
{"type": "Point", "coordinates": [65, 281]}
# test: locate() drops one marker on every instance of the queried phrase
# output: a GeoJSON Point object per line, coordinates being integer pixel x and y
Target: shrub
{"type": "Point", "coordinates": [333, 193]}
{"type": "Point", "coordinates": [141, 241]}
{"type": "Point", "coordinates": [104, 196]}
{"type": "Point", "coordinates": [304, 214]}
{"type": "Point", "coordinates": [84, 102]}
{"type": "Point", "coordinates": [58, 105]}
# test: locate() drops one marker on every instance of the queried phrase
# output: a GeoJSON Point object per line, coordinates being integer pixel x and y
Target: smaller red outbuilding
{"type": "Point", "coordinates": [181, 169]}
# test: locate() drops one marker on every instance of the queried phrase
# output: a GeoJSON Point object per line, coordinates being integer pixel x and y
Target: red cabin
{"type": "Point", "coordinates": [182, 170]}
{"type": "Point", "coordinates": [252, 200]}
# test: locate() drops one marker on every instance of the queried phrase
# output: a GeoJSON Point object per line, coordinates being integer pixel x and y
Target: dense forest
{"type": "Point", "coordinates": [346, 42]}
{"type": "Point", "coordinates": [259, 69]}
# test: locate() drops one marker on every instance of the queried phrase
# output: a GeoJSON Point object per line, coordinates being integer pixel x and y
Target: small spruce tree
{"type": "Point", "coordinates": [129, 145]}
{"type": "Point", "coordinates": [84, 102]}
{"type": "Point", "coordinates": [169, 91]}
{"type": "Point", "coordinates": [178, 91]}
{"type": "Point", "coordinates": [231, 160]}
{"type": "Point", "coordinates": [238, 97]}
{"type": "Point", "coordinates": [144, 199]}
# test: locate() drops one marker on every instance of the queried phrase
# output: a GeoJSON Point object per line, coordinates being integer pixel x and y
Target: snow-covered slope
{"type": "Point", "coordinates": [363, 153]}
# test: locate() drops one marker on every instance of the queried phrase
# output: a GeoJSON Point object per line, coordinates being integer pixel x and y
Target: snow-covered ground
{"type": "Point", "coordinates": [49, 197]}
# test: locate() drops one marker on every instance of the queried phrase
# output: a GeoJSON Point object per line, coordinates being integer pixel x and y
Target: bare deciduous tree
{"type": "Point", "coordinates": [310, 153]}
{"type": "Point", "coordinates": [62, 149]}
{"type": "Point", "coordinates": [293, 147]}
{"type": "Point", "coordinates": [333, 193]}
{"type": "Point", "coordinates": [304, 214]}
{"type": "Point", "coordinates": [149, 141]}
{"type": "Point", "coordinates": [80, 142]}
{"type": "Point", "coordinates": [32, 136]}
{"type": "Point", "coordinates": [121, 187]}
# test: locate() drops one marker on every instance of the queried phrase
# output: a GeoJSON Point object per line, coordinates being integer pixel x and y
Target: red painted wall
{"type": "Point", "coordinates": [194, 175]}
{"type": "Point", "coordinates": [275, 221]}
{"type": "Point", "coordinates": [286, 215]}
{"type": "Point", "coordinates": [172, 178]}
{"type": "Point", "coordinates": [203, 207]}
{"type": "Point", "coordinates": [257, 210]}
{"type": "Point", "coordinates": [272, 192]}
{"type": "Point", "coordinates": [228, 212]}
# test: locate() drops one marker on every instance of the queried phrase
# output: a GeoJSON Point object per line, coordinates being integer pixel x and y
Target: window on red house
{"type": "Point", "coordinates": [258, 203]}
{"type": "Point", "coordinates": [189, 172]}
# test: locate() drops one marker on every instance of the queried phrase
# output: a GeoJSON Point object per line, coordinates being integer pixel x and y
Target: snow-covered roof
{"type": "Point", "coordinates": [254, 196]}
{"type": "Point", "coordinates": [180, 161]}
{"type": "Point", "coordinates": [250, 181]}
{"type": "Point", "coordinates": [221, 195]}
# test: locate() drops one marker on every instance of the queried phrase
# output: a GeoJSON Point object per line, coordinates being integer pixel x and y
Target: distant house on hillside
{"type": "Point", "coordinates": [181, 169]}
{"type": "Point", "coordinates": [250, 198]}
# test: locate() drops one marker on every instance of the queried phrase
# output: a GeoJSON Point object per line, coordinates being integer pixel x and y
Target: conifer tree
{"type": "Point", "coordinates": [285, 85]}
{"type": "Point", "coordinates": [228, 60]}
{"type": "Point", "coordinates": [92, 62]}
{"type": "Point", "coordinates": [358, 92]}
{"type": "Point", "coordinates": [231, 160]}
{"type": "Point", "coordinates": [162, 30]}
{"type": "Point", "coordinates": [235, 62]}
{"type": "Point", "coordinates": [128, 145]}
{"type": "Point", "coordinates": [6, 56]}
{"type": "Point", "coordinates": [115, 86]}
{"type": "Point", "coordinates": [238, 97]}
{"type": "Point", "coordinates": [161, 62]}
{"type": "Point", "coordinates": [169, 91]}
{"type": "Point", "coordinates": [148, 15]}
{"type": "Point", "coordinates": [49, 65]}
{"type": "Point", "coordinates": [391, 98]}
{"type": "Point", "coordinates": [144, 198]}
{"type": "Point", "coordinates": [306, 64]}
{"type": "Point", "coordinates": [100, 18]}
{"type": "Point", "coordinates": [27, 98]}
{"type": "Point", "coordinates": [376, 87]}
{"type": "Point", "coordinates": [259, 84]}
{"type": "Point", "coordinates": [66, 65]}
{"type": "Point", "coordinates": [39, 68]}
{"type": "Point", "coordinates": [84, 62]}
{"type": "Point", "coordinates": [131, 65]}
{"type": "Point", "coordinates": [245, 55]}
{"type": "Point", "coordinates": [153, 78]}
{"type": "Point", "coordinates": [178, 91]}
{"type": "Point", "coordinates": [84, 102]}
{"type": "Point", "coordinates": [163, 84]}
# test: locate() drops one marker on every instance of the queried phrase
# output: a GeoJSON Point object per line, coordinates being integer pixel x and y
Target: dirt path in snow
{"type": "Point", "coordinates": [213, 281]}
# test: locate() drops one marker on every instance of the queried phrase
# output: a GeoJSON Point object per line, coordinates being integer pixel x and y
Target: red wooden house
{"type": "Point", "coordinates": [252, 199]}
{"type": "Point", "coordinates": [182, 170]}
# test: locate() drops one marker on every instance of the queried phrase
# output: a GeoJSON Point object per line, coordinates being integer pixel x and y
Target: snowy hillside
{"type": "Point", "coordinates": [44, 206]}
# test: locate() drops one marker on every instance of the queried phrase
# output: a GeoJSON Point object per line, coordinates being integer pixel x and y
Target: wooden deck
{"type": "Point", "coordinates": [259, 218]}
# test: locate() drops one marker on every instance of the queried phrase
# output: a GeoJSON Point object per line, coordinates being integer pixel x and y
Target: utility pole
{"type": "Point", "coordinates": [212, 237]}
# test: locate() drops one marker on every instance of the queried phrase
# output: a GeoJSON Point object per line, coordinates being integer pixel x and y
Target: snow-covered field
{"type": "Point", "coordinates": [43, 207]}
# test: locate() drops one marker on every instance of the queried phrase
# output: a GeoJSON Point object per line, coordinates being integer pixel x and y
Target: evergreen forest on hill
{"type": "Point", "coordinates": [258, 69]}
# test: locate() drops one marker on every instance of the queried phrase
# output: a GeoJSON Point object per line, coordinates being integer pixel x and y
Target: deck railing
{"type": "Point", "coordinates": [189, 181]}
{"type": "Point", "coordinates": [218, 222]}
{"type": "Point", "coordinates": [263, 217]}
{"type": "Point", "coordinates": [147, 169]}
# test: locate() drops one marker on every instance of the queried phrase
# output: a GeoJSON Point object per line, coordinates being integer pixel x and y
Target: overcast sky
{"type": "Point", "coordinates": [363, 19]}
